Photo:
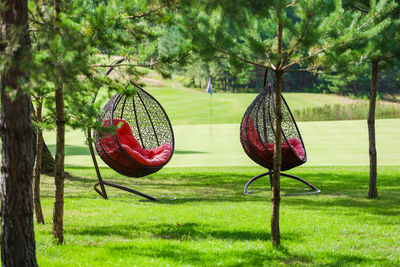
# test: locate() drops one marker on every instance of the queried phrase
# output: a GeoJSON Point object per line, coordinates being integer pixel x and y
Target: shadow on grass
{"type": "Point", "coordinates": [176, 231]}
{"type": "Point", "coordinates": [345, 259]}
{"type": "Point", "coordinates": [184, 231]}
{"type": "Point", "coordinates": [345, 187]}
{"type": "Point", "coordinates": [182, 255]}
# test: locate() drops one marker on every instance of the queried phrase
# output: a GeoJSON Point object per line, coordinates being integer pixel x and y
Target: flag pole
{"type": "Point", "coordinates": [209, 90]}
{"type": "Point", "coordinates": [210, 115]}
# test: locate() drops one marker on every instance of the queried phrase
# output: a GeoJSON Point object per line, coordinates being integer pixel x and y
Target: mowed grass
{"type": "Point", "coordinates": [187, 106]}
{"type": "Point", "coordinates": [211, 223]}
{"type": "Point", "coordinates": [194, 106]}
{"type": "Point", "coordinates": [327, 143]}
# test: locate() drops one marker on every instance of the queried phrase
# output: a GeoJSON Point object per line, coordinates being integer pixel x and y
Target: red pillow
{"type": "Point", "coordinates": [131, 147]}
{"type": "Point", "coordinates": [257, 144]}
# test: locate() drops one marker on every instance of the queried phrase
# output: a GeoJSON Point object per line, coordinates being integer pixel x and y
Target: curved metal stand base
{"type": "Point", "coordinates": [122, 188]}
{"type": "Point", "coordinates": [312, 187]}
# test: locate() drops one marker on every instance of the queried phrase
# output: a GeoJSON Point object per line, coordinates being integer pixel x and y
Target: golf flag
{"type": "Point", "coordinates": [209, 87]}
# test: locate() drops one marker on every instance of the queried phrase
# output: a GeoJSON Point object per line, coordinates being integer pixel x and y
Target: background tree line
{"type": "Point", "coordinates": [352, 80]}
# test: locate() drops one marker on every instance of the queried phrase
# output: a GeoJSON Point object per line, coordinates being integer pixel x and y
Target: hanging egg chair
{"type": "Point", "coordinates": [139, 141]}
{"type": "Point", "coordinates": [257, 135]}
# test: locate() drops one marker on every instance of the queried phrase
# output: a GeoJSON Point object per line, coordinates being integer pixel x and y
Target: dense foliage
{"type": "Point", "coordinates": [248, 34]}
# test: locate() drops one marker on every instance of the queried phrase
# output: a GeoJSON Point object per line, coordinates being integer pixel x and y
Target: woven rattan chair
{"type": "Point", "coordinates": [140, 140]}
{"type": "Point", "coordinates": [257, 135]}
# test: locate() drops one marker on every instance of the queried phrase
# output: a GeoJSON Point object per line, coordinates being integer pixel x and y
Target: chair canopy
{"type": "Point", "coordinates": [141, 139]}
{"type": "Point", "coordinates": [257, 132]}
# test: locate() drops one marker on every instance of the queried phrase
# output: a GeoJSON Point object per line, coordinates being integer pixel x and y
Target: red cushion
{"type": "Point", "coordinates": [258, 146]}
{"type": "Point", "coordinates": [149, 157]}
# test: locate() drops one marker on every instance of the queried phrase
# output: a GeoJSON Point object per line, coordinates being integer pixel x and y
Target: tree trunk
{"type": "Point", "coordinates": [373, 191]}
{"type": "Point", "coordinates": [58, 212]}
{"type": "Point", "coordinates": [17, 233]}
{"type": "Point", "coordinates": [276, 183]}
{"type": "Point", "coordinates": [48, 162]}
{"type": "Point", "coordinates": [38, 167]}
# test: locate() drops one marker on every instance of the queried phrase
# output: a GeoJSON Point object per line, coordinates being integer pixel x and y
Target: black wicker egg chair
{"type": "Point", "coordinates": [140, 141]}
{"type": "Point", "coordinates": [257, 135]}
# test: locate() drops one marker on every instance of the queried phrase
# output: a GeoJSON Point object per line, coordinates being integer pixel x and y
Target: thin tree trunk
{"type": "Point", "coordinates": [276, 187]}
{"type": "Point", "coordinates": [38, 166]}
{"type": "Point", "coordinates": [17, 233]}
{"type": "Point", "coordinates": [373, 191]}
{"type": "Point", "coordinates": [48, 162]}
{"type": "Point", "coordinates": [58, 212]}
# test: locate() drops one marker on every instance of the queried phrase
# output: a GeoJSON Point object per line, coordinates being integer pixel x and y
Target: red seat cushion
{"type": "Point", "coordinates": [266, 150]}
{"type": "Point", "coordinates": [149, 157]}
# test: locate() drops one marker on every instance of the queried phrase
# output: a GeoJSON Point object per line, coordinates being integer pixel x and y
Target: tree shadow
{"type": "Point", "coordinates": [346, 188]}
{"type": "Point", "coordinates": [177, 231]}
{"type": "Point", "coordinates": [233, 257]}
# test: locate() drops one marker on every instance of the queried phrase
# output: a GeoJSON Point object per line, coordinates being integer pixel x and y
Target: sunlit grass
{"type": "Point", "coordinates": [212, 223]}
{"type": "Point", "coordinates": [327, 143]}
{"type": "Point", "coordinates": [194, 106]}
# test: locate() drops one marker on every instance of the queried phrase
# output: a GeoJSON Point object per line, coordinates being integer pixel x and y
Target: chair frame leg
{"type": "Point", "coordinates": [270, 173]}
{"type": "Point", "coordinates": [124, 189]}
{"type": "Point", "coordinates": [102, 192]}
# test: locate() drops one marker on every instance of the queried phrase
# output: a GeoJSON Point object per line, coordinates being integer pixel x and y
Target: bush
{"type": "Point", "coordinates": [354, 111]}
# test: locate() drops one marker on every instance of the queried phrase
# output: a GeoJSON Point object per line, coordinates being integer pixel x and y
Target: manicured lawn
{"type": "Point", "coordinates": [192, 106]}
{"type": "Point", "coordinates": [327, 143]}
{"type": "Point", "coordinates": [212, 223]}
{"type": "Point", "coordinates": [187, 106]}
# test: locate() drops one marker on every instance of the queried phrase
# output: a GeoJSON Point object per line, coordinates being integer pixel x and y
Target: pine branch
{"type": "Point", "coordinates": [272, 66]}
{"type": "Point", "coordinates": [304, 58]}
{"type": "Point", "coordinates": [41, 15]}
{"type": "Point", "coordinates": [359, 9]}
{"type": "Point", "coordinates": [125, 65]}
{"type": "Point", "coordinates": [305, 70]}
{"type": "Point", "coordinates": [153, 12]}
{"type": "Point", "coordinates": [34, 20]}
{"type": "Point", "coordinates": [298, 42]}
{"type": "Point", "coordinates": [243, 59]}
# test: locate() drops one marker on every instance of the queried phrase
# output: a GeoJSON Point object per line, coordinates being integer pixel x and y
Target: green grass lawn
{"type": "Point", "coordinates": [327, 143]}
{"type": "Point", "coordinates": [187, 106]}
{"type": "Point", "coordinates": [211, 223]}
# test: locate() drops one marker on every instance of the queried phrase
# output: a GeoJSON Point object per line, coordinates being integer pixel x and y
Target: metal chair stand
{"type": "Point", "coordinates": [270, 174]}
{"type": "Point", "coordinates": [149, 126]}
{"type": "Point", "coordinates": [102, 192]}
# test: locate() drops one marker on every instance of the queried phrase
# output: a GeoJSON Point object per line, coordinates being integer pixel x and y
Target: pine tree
{"type": "Point", "coordinates": [370, 32]}
{"type": "Point", "coordinates": [67, 38]}
{"type": "Point", "coordinates": [282, 36]}
{"type": "Point", "coordinates": [17, 233]}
